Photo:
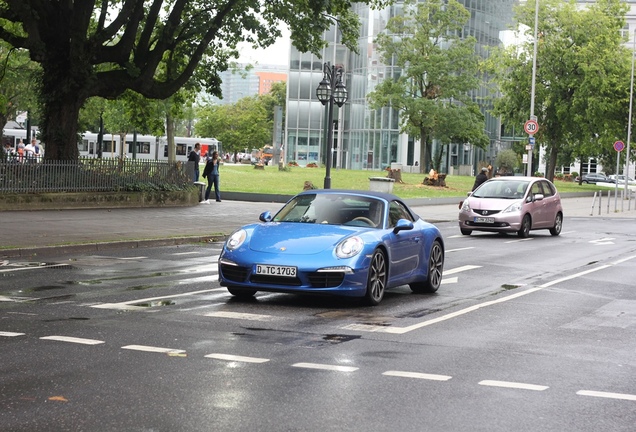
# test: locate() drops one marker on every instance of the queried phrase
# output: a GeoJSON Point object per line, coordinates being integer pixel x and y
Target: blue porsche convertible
{"type": "Point", "coordinates": [337, 242]}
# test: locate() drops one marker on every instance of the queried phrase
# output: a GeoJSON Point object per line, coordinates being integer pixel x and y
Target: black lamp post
{"type": "Point", "coordinates": [330, 90]}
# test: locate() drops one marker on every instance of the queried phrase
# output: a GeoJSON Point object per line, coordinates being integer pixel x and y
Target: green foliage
{"type": "Point", "coordinates": [438, 71]}
{"type": "Point", "coordinates": [582, 78]}
{"type": "Point", "coordinates": [507, 160]}
{"type": "Point", "coordinates": [154, 49]}
{"type": "Point", "coordinates": [247, 124]}
{"type": "Point", "coordinates": [18, 83]}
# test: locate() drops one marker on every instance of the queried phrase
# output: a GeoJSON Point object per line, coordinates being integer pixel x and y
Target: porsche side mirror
{"type": "Point", "coordinates": [402, 225]}
{"type": "Point", "coordinates": [265, 217]}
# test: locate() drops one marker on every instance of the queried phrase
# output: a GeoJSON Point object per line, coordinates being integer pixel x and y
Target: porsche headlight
{"type": "Point", "coordinates": [349, 247]}
{"type": "Point", "coordinates": [236, 239]}
{"type": "Point", "coordinates": [514, 207]}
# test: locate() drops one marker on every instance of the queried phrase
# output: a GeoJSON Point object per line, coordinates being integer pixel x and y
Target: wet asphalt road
{"type": "Point", "coordinates": [525, 334]}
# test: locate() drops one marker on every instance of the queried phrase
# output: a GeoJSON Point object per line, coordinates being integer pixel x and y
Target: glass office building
{"type": "Point", "coordinates": [370, 139]}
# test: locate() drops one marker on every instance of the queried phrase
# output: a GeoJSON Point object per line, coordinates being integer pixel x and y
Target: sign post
{"type": "Point", "coordinates": [531, 127]}
{"type": "Point", "coordinates": [618, 146]}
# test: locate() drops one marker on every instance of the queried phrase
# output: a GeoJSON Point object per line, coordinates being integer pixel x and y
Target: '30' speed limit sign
{"type": "Point", "coordinates": [531, 127]}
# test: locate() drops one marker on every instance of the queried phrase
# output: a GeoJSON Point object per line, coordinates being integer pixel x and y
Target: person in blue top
{"type": "Point", "coordinates": [211, 172]}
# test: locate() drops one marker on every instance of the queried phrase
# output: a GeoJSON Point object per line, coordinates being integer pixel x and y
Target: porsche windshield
{"type": "Point", "coordinates": [334, 209]}
{"type": "Point", "coordinates": [502, 189]}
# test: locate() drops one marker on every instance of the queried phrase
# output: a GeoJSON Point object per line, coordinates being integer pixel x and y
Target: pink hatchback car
{"type": "Point", "coordinates": [512, 204]}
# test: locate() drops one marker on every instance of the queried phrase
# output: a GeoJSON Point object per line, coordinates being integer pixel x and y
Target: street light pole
{"type": "Point", "coordinates": [534, 79]}
{"type": "Point", "coordinates": [331, 89]}
{"type": "Point", "coordinates": [629, 123]}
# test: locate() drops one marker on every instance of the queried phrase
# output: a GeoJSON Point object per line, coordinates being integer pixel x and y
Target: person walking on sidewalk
{"type": "Point", "coordinates": [211, 172]}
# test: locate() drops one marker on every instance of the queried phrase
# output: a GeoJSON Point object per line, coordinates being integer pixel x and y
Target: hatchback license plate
{"type": "Point", "coordinates": [484, 220]}
{"type": "Point", "coordinates": [272, 270]}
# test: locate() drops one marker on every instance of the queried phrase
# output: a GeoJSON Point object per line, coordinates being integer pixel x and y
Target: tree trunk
{"type": "Point", "coordinates": [172, 153]}
{"type": "Point", "coordinates": [59, 128]}
{"type": "Point", "coordinates": [551, 163]}
{"type": "Point", "coordinates": [424, 153]}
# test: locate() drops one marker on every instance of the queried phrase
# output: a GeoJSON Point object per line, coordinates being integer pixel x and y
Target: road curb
{"type": "Point", "coordinates": [26, 252]}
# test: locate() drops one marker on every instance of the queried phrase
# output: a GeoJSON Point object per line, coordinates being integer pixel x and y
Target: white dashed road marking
{"type": "Point", "coordinates": [239, 315]}
{"type": "Point", "coordinates": [146, 348]}
{"type": "Point", "coordinates": [417, 375]}
{"type": "Point", "coordinates": [10, 334]}
{"type": "Point", "coordinates": [73, 340]}
{"type": "Point", "coordinates": [622, 396]}
{"type": "Point", "coordinates": [513, 385]}
{"type": "Point", "coordinates": [325, 367]}
{"type": "Point", "coordinates": [131, 304]}
{"type": "Point", "coordinates": [460, 269]}
{"type": "Point", "coordinates": [236, 358]}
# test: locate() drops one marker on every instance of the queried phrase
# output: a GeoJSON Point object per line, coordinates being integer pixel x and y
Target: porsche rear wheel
{"type": "Point", "coordinates": [435, 269]}
{"type": "Point", "coordinates": [376, 281]}
{"type": "Point", "coordinates": [241, 292]}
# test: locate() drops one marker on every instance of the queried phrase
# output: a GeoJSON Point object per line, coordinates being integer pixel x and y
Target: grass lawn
{"type": "Point", "coordinates": [245, 178]}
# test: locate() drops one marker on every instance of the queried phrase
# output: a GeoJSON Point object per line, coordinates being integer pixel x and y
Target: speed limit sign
{"type": "Point", "coordinates": [531, 127]}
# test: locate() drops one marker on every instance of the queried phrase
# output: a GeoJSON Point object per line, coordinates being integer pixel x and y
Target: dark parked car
{"type": "Point", "coordinates": [594, 178]}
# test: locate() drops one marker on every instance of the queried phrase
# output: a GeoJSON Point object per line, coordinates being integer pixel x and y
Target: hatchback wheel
{"type": "Point", "coordinates": [376, 281]}
{"type": "Point", "coordinates": [524, 231]}
{"type": "Point", "coordinates": [558, 224]}
{"type": "Point", "coordinates": [466, 231]}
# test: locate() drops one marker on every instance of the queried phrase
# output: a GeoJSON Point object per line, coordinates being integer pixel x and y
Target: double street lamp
{"type": "Point", "coordinates": [331, 89]}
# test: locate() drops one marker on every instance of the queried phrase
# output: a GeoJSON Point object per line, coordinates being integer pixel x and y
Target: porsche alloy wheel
{"type": "Point", "coordinates": [435, 269]}
{"type": "Point", "coordinates": [376, 282]}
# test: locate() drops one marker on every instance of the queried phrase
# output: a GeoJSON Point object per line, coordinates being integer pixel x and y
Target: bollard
{"type": "Point", "coordinates": [201, 186]}
{"type": "Point", "coordinates": [593, 204]}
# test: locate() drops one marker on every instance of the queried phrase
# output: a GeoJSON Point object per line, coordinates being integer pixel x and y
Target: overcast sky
{"type": "Point", "coordinates": [277, 54]}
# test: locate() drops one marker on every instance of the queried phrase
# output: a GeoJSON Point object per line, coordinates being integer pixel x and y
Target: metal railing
{"type": "Point", "coordinates": [90, 174]}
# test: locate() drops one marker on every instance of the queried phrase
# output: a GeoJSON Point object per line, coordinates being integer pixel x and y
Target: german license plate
{"type": "Point", "coordinates": [272, 270]}
{"type": "Point", "coordinates": [488, 220]}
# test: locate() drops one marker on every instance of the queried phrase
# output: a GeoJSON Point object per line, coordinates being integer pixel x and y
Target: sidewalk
{"type": "Point", "coordinates": [46, 232]}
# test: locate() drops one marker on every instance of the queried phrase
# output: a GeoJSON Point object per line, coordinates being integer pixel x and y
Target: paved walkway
{"type": "Point", "coordinates": [46, 232]}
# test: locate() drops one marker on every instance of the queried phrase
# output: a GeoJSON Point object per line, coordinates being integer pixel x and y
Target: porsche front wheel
{"type": "Point", "coordinates": [435, 269]}
{"type": "Point", "coordinates": [376, 281]}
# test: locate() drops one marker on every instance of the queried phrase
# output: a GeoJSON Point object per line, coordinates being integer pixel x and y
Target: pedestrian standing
{"type": "Point", "coordinates": [20, 151]}
{"type": "Point", "coordinates": [195, 156]}
{"type": "Point", "coordinates": [211, 171]}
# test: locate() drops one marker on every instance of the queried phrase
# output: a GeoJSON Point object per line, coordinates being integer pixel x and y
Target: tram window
{"type": "Point", "coordinates": [83, 145]}
{"type": "Point", "coordinates": [143, 147]}
{"type": "Point", "coordinates": [181, 149]}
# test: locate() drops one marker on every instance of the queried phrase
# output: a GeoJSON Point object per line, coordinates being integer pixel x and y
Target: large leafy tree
{"type": "Point", "coordinates": [582, 78]}
{"type": "Point", "coordinates": [246, 124]}
{"type": "Point", "coordinates": [152, 47]}
{"type": "Point", "coordinates": [17, 75]}
{"type": "Point", "coordinates": [439, 68]}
